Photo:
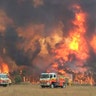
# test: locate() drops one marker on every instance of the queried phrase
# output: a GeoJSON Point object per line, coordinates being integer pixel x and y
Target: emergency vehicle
{"type": "Point", "coordinates": [4, 79]}
{"type": "Point", "coordinates": [52, 80]}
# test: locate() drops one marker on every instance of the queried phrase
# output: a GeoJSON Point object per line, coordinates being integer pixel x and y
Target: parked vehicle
{"type": "Point", "coordinates": [4, 79]}
{"type": "Point", "coordinates": [52, 80]}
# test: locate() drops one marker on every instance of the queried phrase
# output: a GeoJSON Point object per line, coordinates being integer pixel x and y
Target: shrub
{"type": "Point", "coordinates": [18, 79]}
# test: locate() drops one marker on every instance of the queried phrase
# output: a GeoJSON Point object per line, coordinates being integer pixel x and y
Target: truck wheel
{"type": "Point", "coordinates": [63, 86]}
{"type": "Point", "coordinates": [42, 86]}
{"type": "Point", "coordinates": [5, 85]}
{"type": "Point", "coordinates": [52, 86]}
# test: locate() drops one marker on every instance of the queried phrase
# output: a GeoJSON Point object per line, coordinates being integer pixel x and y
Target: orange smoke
{"type": "Point", "coordinates": [4, 21]}
{"type": "Point", "coordinates": [38, 3]}
{"type": "Point", "coordinates": [30, 34]}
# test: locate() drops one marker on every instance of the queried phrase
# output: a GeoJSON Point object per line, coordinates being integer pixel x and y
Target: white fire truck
{"type": "Point", "coordinates": [52, 80]}
{"type": "Point", "coordinates": [4, 79]}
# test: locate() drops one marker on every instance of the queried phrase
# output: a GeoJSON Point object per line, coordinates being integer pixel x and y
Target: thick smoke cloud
{"type": "Point", "coordinates": [32, 25]}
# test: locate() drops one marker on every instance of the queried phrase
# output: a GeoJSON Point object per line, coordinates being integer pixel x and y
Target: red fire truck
{"type": "Point", "coordinates": [52, 80]}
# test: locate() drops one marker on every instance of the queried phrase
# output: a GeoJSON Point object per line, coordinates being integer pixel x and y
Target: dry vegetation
{"type": "Point", "coordinates": [35, 90]}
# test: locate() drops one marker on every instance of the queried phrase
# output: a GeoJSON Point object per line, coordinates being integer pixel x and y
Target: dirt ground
{"type": "Point", "coordinates": [36, 90]}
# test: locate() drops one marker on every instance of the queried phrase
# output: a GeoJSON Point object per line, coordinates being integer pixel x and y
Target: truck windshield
{"type": "Point", "coordinates": [44, 76]}
{"type": "Point", "coordinates": [3, 76]}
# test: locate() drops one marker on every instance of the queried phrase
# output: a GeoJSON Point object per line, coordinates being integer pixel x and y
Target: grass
{"type": "Point", "coordinates": [36, 90]}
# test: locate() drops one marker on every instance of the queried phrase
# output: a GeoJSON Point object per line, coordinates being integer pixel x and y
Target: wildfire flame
{"type": "Point", "coordinates": [4, 68]}
{"type": "Point", "coordinates": [57, 39]}
{"type": "Point", "coordinates": [93, 44]}
{"type": "Point", "coordinates": [74, 47]}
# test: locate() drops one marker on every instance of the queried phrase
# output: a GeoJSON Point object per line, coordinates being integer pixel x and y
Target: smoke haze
{"type": "Point", "coordinates": [31, 29]}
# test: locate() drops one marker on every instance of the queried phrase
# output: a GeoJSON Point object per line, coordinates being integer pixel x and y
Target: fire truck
{"type": "Point", "coordinates": [4, 79]}
{"type": "Point", "coordinates": [52, 80]}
